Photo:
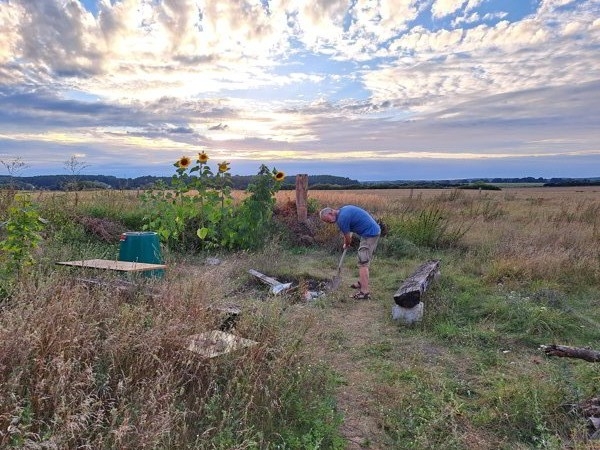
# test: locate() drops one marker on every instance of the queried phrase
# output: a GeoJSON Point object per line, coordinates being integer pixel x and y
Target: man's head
{"type": "Point", "coordinates": [328, 215]}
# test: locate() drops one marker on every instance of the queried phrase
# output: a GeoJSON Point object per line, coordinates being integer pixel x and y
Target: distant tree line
{"type": "Point", "coordinates": [573, 182]}
{"type": "Point", "coordinates": [94, 182]}
{"type": "Point", "coordinates": [317, 182]}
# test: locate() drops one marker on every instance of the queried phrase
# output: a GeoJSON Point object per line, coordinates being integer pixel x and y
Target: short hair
{"type": "Point", "coordinates": [325, 211]}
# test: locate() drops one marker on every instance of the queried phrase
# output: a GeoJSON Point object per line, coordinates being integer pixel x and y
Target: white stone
{"type": "Point", "coordinates": [408, 315]}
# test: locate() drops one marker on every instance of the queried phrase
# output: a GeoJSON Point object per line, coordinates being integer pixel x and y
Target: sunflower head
{"type": "Point", "coordinates": [202, 157]}
{"type": "Point", "coordinates": [223, 167]}
{"type": "Point", "coordinates": [279, 176]}
{"type": "Point", "coordinates": [184, 162]}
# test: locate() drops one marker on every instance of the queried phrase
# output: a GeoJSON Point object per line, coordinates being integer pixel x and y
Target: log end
{"type": "Point", "coordinates": [408, 299]}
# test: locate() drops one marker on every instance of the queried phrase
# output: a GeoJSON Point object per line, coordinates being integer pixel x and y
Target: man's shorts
{"type": "Point", "coordinates": [365, 250]}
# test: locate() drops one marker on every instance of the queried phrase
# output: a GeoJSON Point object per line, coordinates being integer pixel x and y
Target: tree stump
{"type": "Point", "coordinates": [410, 293]}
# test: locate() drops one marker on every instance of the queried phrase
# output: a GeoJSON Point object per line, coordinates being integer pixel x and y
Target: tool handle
{"type": "Point", "coordinates": [342, 259]}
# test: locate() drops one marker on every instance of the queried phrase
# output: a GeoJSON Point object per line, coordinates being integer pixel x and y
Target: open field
{"type": "Point", "coordinates": [107, 366]}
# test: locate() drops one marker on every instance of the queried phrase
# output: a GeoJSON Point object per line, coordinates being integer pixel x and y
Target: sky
{"type": "Point", "coordinates": [365, 89]}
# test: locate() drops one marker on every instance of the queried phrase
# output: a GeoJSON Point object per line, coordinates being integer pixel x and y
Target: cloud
{"type": "Point", "coordinates": [218, 127]}
{"type": "Point", "coordinates": [442, 8]}
{"type": "Point", "coordinates": [488, 59]}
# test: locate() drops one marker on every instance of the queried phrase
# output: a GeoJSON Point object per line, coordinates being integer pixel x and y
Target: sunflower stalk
{"type": "Point", "coordinates": [199, 205]}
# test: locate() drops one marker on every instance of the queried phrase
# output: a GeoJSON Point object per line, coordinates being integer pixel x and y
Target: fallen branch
{"type": "Point", "coordinates": [571, 352]}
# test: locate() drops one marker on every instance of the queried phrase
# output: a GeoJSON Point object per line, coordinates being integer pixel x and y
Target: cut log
{"type": "Point", "coordinates": [591, 408]}
{"type": "Point", "coordinates": [572, 352]}
{"type": "Point", "coordinates": [410, 293]}
{"type": "Point", "coordinates": [408, 316]}
{"type": "Point", "coordinates": [276, 286]}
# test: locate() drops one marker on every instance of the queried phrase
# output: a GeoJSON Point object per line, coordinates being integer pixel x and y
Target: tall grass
{"type": "Point", "coordinates": [89, 367]}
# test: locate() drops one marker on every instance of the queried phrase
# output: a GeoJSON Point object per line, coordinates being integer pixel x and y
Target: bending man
{"type": "Point", "coordinates": [352, 219]}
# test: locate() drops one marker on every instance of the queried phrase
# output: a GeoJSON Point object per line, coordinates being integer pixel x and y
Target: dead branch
{"type": "Point", "coordinates": [572, 352]}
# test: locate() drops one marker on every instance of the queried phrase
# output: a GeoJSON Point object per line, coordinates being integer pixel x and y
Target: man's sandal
{"type": "Point", "coordinates": [355, 285]}
{"type": "Point", "coordinates": [360, 295]}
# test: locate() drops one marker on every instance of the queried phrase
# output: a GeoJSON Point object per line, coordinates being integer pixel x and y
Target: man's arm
{"type": "Point", "coordinates": [347, 239]}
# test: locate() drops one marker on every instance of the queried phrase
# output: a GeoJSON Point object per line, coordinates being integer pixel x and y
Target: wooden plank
{"type": "Point", "coordinates": [216, 343]}
{"type": "Point", "coordinates": [266, 279]}
{"type": "Point", "coordinates": [116, 283]}
{"type": "Point", "coordinates": [109, 264]}
{"type": "Point", "coordinates": [410, 293]}
{"type": "Point", "coordinates": [276, 286]}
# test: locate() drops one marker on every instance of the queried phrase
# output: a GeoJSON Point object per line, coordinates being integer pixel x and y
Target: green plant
{"type": "Point", "coordinates": [313, 206]}
{"type": "Point", "coordinates": [195, 197]}
{"type": "Point", "coordinates": [199, 205]}
{"type": "Point", "coordinates": [21, 234]}
{"type": "Point", "coordinates": [431, 228]}
{"type": "Point", "coordinates": [248, 227]}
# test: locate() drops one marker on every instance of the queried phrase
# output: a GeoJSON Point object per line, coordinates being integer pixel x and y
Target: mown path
{"type": "Point", "coordinates": [341, 333]}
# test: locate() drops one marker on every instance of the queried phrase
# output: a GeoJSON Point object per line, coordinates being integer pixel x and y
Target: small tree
{"type": "Point", "coordinates": [13, 167]}
{"type": "Point", "coordinates": [74, 165]}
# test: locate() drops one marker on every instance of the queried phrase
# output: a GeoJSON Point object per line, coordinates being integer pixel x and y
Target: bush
{"type": "Point", "coordinates": [430, 228]}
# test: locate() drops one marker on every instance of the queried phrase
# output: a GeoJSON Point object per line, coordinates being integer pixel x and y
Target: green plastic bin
{"type": "Point", "coordinates": [143, 247]}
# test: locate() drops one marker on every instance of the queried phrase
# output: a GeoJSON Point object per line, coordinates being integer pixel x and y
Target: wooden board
{"type": "Point", "coordinates": [216, 342]}
{"type": "Point", "coordinates": [109, 264]}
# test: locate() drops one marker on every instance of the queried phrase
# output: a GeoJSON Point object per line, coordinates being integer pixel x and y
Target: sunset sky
{"type": "Point", "coordinates": [367, 89]}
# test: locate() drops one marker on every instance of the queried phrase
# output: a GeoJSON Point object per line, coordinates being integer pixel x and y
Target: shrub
{"type": "Point", "coordinates": [21, 233]}
{"type": "Point", "coordinates": [430, 228]}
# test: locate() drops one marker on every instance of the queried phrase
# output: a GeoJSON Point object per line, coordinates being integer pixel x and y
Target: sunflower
{"type": "Point", "coordinates": [202, 157]}
{"type": "Point", "coordinates": [279, 176]}
{"type": "Point", "coordinates": [184, 162]}
{"type": "Point", "coordinates": [223, 167]}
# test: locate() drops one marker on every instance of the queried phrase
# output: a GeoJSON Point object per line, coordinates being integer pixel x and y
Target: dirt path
{"type": "Point", "coordinates": [342, 332]}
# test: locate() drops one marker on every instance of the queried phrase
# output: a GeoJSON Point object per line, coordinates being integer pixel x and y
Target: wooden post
{"type": "Point", "coordinates": [302, 196]}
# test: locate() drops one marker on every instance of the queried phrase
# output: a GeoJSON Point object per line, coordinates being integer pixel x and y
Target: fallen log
{"type": "Point", "coordinates": [276, 286]}
{"type": "Point", "coordinates": [410, 292]}
{"type": "Point", "coordinates": [571, 352]}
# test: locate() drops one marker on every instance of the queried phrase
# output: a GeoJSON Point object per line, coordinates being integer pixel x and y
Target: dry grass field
{"type": "Point", "coordinates": [106, 366]}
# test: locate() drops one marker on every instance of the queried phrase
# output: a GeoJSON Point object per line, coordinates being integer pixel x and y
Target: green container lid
{"type": "Point", "coordinates": [143, 247]}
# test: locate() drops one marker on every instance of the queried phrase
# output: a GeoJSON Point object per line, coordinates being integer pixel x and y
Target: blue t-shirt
{"type": "Point", "coordinates": [357, 220]}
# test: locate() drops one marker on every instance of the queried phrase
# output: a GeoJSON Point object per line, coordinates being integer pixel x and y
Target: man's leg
{"type": "Point", "coordinates": [365, 253]}
{"type": "Point", "coordinates": [363, 277]}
